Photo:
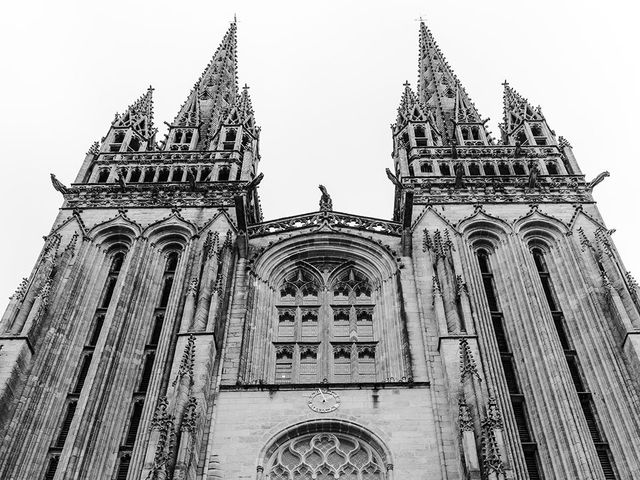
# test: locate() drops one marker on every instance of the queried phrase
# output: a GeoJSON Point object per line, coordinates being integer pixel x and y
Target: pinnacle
{"type": "Point", "coordinates": [139, 115]}
{"type": "Point", "coordinates": [516, 108]}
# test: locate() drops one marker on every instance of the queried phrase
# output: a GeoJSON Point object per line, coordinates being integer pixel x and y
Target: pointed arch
{"type": "Point", "coordinates": [120, 229]}
{"type": "Point", "coordinates": [173, 229]}
{"type": "Point", "coordinates": [482, 230]}
{"type": "Point", "coordinates": [374, 260]}
{"type": "Point", "coordinates": [540, 226]}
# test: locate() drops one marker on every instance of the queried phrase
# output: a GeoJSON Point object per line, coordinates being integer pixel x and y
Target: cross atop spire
{"type": "Point", "coordinates": [139, 115]}
{"type": "Point", "coordinates": [440, 90]}
{"type": "Point", "coordinates": [516, 109]}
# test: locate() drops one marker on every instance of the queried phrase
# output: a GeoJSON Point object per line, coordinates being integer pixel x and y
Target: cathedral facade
{"type": "Point", "coordinates": [489, 330]}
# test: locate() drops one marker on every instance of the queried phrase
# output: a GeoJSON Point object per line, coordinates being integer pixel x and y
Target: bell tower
{"type": "Point", "coordinates": [503, 238]}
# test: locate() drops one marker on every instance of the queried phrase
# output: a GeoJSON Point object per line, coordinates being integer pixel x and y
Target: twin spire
{"type": "Point", "coordinates": [441, 99]}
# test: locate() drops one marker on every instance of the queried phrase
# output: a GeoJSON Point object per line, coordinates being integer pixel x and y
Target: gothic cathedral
{"type": "Point", "coordinates": [168, 331]}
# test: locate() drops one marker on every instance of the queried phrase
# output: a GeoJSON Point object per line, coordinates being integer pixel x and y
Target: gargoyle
{"type": "Point", "coordinates": [57, 184]}
{"type": "Point", "coordinates": [394, 179]}
{"type": "Point", "coordinates": [598, 179]}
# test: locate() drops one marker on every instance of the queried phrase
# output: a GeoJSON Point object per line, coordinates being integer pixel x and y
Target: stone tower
{"type": "Point", "coordinates": [167, 331]}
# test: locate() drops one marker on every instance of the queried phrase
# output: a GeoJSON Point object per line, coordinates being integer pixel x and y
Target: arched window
{"type": "Point", "coordinates": [420, 135]}
{"type": "Point", "coordinates": [163, 176]}
{"type": "Point", "coordinates": [475, 133]}
{"type": "Point", "coordinates": [176, 175]}
{"type": "Point", "coordinates": [177, 137]}
{"type": "Point", "coordinates": [474, 169]}
{"type": "Point", "coordinates": [135, 175]}
{"type": "Point", "coordinates": [578, 377]}
{"type": "Point", "coordinates": [509, 370]}
{"type": "Point", "coordinates": [503, 168]}
{"type": "Point", "coordinates": [103, 175]}
{"type": "Point", "coordinates": [149, 174]}
{"type": "Point", "coordinates": [518, 169]}
{"type": "Point", "coordinates": [445, 170]}
{"type": "Point", "coordinates": [325, 456]}
{"type": "Point", "coordinates": [223, 173]}
{"type": "Point", "coordinates": [188, 136]}
{"type": "Point", "coordinates": [340, 324]}
{"type": "Point", "coordinates": [489, 169]}
{"type": "Point", "coordinates": [552, 168]}
{"type": "Point", "coordinates": [425, 167]}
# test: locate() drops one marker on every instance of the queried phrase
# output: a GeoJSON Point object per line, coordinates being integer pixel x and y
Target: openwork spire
{"type": "Point", "coordinates": [139, 115]}
{"type": "Point", "coordinates": [217, 87]}
{"type": "Point", "coordinates": [516, 109]}
{"type": "Point", "coordinates": [440, 90]}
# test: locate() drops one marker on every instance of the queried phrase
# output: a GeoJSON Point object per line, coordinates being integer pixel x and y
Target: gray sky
{"type": "Point", "coordinates": [325, 82]}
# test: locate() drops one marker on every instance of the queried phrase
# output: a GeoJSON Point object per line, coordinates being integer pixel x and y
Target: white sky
{"type": "Point", "coordinates": [326, 79]}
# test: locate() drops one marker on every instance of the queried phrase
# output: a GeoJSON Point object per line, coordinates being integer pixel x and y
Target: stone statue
{"type": "Point", "coordinates": [458, 169]}
{"type": "Point", "coordinates": [533, 175]}
{"type": "Point", "coordinates": [326, 205]}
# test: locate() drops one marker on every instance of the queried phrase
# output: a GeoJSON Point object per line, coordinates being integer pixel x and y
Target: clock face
{"type": "Point", "coordinates": [323, 401]}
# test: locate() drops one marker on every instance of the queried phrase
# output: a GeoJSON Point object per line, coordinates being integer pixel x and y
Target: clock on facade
{"type": "Point", "coordinates": [323, 401]}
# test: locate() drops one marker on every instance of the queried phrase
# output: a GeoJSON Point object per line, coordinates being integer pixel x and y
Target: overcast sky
{"type": "Point", "coordinates": [325, 82]}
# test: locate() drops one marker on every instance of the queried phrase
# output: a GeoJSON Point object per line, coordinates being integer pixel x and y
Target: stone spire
{"type": "Point", "coordinates": [440, 90]}
{"type": "Point", "coordinates": [217, 87]}
{"type": "Point", "coordinates": [522, 123]}
{"type": "Point", "coordinates": [516, 109]}
{"type": "Point", "coordinates": [138, 116]}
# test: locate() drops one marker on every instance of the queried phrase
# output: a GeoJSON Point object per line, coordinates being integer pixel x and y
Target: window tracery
{"type": "Point", "coordinates": [325, 456]}
{"type": "Point", "coordinates": [325, 327]}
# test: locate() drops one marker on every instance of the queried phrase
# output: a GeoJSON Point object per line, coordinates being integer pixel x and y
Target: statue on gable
{"type": "Point", "coordinates": [326, 205]}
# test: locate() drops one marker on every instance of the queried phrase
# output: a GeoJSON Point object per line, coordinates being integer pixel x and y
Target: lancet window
{"type": "Point", "coordinates": [518, 404]}
{"type": "Point", "coordinates": [575, 370]}
{"type": "Point", "coordinates": [148, 359]}
{"type": "Point", "coordinates": [325, 329]}
{"type": "Point", "coordinates": [325, 456]}
{"type": "Point", "coordinates": [116, 261]}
